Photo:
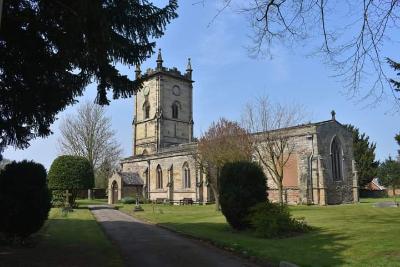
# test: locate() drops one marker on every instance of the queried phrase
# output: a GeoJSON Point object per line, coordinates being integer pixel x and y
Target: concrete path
{"type": "Point", "coordinates": [143, 244]}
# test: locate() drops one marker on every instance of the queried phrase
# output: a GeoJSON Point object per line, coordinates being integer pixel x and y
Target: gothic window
{"type": "Point", "coordinates": [170, 176]}
{"type": "Point", "coordinates": [175, 110]}
{"type": "Point", "coordinates": [159, 182]}
{"type": "Point", "coordinates": [145, 152]}
{"type": "Point", "coordinates": [336, 158]}
{"type": "Point", "coordinates": [186, 175]}
{"type": "Point", "coordinates": [146, 110]}
{"type": "Point", "coordinates": [145, 130]}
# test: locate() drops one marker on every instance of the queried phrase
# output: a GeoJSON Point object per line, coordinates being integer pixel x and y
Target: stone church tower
{"type": "Point", "coordinates": [163, 109]}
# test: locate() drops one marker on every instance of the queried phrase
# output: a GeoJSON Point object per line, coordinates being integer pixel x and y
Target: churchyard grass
{"type": "Point", "coordinates": [72, 240]}
{"type": "Point", "coordinates": [344, 235]}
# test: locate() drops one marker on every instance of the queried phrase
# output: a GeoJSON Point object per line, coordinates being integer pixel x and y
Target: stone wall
{"type": "Point", "coordinates": [302, 140]}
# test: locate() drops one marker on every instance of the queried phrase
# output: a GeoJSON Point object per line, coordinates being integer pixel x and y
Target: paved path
{"type": "Point", "coordinates": [144, 244]}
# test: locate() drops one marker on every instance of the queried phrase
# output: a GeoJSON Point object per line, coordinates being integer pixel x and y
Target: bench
{"type": "Point", "coordinates": [186, 201]}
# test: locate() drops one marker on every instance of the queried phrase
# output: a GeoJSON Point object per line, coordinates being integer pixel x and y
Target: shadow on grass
{"type": "Point", "coordinates": [316, 248]}
{"type": "Point", "coordinates": [63, 242]}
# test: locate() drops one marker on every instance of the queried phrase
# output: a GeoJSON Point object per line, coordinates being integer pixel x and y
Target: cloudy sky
{"type": "Point", "coordinates": [226, 78]}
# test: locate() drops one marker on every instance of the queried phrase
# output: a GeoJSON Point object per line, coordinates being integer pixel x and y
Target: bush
{"type": "Point", "coordinates": [24, 199]}
{"type": "Point", "coordinates": [71, 173]}
{"type": "Point", "coordinates": [242, 185]}
{"type": "Point", "coordinates": [128, 200]}
{"type": "Point", "coordinates": [274, 220]}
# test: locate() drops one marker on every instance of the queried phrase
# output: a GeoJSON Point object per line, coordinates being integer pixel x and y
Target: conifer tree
{"type": "Point", "coordinates": [51, 50]}
{"type": "Point", "coordinates": [364, 155]}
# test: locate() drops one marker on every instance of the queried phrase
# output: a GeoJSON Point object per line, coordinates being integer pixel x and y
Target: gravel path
{"type": "Point", "coordinates": [144, 244]}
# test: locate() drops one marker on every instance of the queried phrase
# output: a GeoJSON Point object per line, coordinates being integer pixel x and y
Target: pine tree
{"type": "Point", "coordinates": [397, 138]}
{"type": "Point", "coordinates": [396, 66]}
{"type": "Point", "coordinates": [364, 156]}
{"type": "Point", "coordinates": [51, 50]}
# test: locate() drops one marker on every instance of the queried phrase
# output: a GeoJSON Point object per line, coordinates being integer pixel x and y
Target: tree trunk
{"type": "Point", "coordinates": [394, 194]}
{"type": "Point", "coordinates": [280, 193]}
{"type": "Point", "coordinates": [216, 196]}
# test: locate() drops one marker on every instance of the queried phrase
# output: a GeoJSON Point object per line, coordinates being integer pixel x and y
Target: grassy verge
{"type": "Point", "coordinates": [75, 240]}
{"type": "Point", "coordinates": [345, 235]}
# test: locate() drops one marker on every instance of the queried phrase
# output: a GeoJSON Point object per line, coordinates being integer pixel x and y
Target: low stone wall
{"type": "Point", "coordinates": [96, 193]}
{"type": "Point", "coordinates": [390, 192]}
{"type": "Point", "coordinates": [290, 195]}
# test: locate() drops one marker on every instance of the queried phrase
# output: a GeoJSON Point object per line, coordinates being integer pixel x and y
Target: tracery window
{"type": "Point", "coordinates": [159, 182]}
{"type": "Point", "coordinates": [336, 159]}
{"type": "Point", "coordinates": [186, 175]}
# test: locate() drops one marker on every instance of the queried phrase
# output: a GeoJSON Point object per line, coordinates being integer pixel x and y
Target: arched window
{"type": "Point", "coordinates": [144, 152]}
{"type": "Point", "coordinates": [159, 182]}
{"type": "Point", "coordinates": [175, 110]}
{"type": "Point", "coordinates": [146, 110]}
{"type": "Point", "coordinates": [170, 176]}
{"type": "Point", "coordinates": [336, 158]}
{"type": "Point", "coordinates": [186, 175]}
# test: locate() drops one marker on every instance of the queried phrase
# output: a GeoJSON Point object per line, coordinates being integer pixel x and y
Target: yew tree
{"type": "Point", "coordinates": [51, 50]}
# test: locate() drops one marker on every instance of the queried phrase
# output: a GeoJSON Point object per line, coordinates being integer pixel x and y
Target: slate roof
{"type": "Point", "coordinates": [131, 178]}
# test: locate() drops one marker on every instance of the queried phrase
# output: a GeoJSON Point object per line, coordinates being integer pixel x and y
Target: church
{"type": "Point", "coordinates": [162, 168]}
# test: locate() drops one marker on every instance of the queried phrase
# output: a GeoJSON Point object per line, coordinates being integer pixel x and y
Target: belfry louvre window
{"type": "Point", "coordinates": [146, 109]}
{"type": "Point", "coordinates": [159, 182]}
{"type": "Point", "coordinates": [336, 158]}
{"type": "Point", "coordinates": [175, 111]}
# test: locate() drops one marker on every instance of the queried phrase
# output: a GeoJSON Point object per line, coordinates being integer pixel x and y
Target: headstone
{"type": "Point", "coordinates": [137, 205]}
{"type": "Point", "coordinates": [67, 195]}
{"type": "Point", "coordinates": [67, 207]}
{"type": "Point", "coordinates": [386, 204]}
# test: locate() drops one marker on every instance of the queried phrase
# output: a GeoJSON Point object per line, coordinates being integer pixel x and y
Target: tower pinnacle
{"type": "Point", "coordinates": [159, 60]}
{"type": "Point", "coordinates": [189, 69]}
{"type": "Point", "coordinates": [137, 71]}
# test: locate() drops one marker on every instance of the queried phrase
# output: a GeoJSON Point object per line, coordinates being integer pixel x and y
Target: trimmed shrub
{"type": "Point", "coordinates": [128, 200]}
{"type": "Point", "coordinates": [71, 173]}
{"type": "Point", "coordinates": [274, 220]}
{"type": "Point", "coordinates": [24, 199]}
{"type": "Point", "coordinates": [242, 185]}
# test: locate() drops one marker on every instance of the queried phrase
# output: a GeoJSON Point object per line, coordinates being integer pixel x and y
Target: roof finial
{"type": "Point", "coordinates": [159, 60]}
{"type": "Point", "coordinates": [189, 69]}
{"type": "Point", "coordinates": [137, 71]}
{"type": "Point", "coordinates": [333, 113]}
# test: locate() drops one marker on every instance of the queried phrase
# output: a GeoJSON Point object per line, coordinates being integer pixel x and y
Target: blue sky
{"type": "Point", "coordinates": [226, 78]}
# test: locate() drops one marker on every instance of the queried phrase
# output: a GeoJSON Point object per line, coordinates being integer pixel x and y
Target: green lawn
{"type": "Point", "coordinates": [345, 235]}
{"type": "Point", "coordinates": [75, 240]}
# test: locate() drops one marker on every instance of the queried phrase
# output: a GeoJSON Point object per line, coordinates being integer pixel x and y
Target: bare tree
{"type": "Point", "coordinates": [273, 145]}
{"type": "Point", "coordinates": [349, 35]}
{"type": "Point", "coordinates": [89, 134]}
{"type": "Point", "coordinates": [225, 141]}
